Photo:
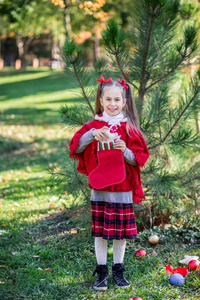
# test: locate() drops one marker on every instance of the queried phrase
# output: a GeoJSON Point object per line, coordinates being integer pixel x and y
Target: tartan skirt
{"type": "Point", "coordinates": [113, 220]}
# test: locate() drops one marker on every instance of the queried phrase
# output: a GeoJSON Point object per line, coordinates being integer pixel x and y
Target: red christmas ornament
{"type": "Point", "coordinates": [193, 264]}
{"type": "Point", "coordinates": [141, 252]}
{"type": "Point", "coordinates": [137, 298]}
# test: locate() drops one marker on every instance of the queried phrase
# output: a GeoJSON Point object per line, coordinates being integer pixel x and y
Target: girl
{"type": "Point", "coordinates": [114, 174]}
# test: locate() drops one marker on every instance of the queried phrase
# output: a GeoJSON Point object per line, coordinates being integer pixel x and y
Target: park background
{"type": "Point", "coordinates": [47, 250]}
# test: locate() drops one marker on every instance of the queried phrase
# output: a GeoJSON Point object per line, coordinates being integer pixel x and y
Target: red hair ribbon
{"type": "Point", "coordinates": [102, 80]}
{"type": "Point", "coordinates": [123, 83]}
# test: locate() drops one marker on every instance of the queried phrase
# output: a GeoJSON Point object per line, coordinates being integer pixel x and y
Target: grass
{"type": "Point", "coordinates": [46, 248]}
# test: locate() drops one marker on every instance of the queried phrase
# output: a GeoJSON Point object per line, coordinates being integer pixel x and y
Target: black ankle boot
{"type": "Point", "coordinates": [118, 277]}
{"type": "Point", "coordinates": [100, 283]}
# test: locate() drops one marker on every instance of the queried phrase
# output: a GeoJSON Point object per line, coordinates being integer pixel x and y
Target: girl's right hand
{"type": "Point", "coordinates": [101, 134]}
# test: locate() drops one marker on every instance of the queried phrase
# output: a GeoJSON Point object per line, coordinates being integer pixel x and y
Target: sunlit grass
{"type": "Point", "coordinates": [46, 248]}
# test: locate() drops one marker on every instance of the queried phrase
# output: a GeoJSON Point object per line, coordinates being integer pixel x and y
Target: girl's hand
{"type": "Point", "coordinates": [101, 134]}
{"type": "Point", "coordinates": [120, 145]}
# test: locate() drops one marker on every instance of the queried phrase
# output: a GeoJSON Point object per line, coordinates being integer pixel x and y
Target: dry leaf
{"type": "Point", "coordinates": [154, 253]}
{"type": "Point", "coordinates": [3, 266]}
{"type": "Point", "coordinates": [52, 205]}
{"type": "Point", "coordinates": [43, 242]}
{"type": "Point", "coordinates": [73, 231]}
{"type": "Point", "coordinates": [48, 270]}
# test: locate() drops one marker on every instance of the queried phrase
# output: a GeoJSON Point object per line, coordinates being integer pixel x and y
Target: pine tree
{"type": "Point", "coordinates": [150, 56]}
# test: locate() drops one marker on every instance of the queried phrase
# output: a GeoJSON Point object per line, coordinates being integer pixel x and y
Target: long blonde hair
{"type": "Point", "coordinates": [130, 108]}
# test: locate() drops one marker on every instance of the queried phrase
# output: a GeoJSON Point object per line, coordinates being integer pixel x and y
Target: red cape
{"type": "Point", "coordinates": [87, 160]}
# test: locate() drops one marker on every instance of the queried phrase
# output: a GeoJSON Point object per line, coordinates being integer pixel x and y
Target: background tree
{"type": "Point", "coordinates": [30, 19]}
{"type": "Point", "coordinates": [150, 56]}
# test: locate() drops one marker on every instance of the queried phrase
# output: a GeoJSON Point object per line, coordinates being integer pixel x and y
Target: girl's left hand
{"type": "Point", "coordinates": [120, 145]}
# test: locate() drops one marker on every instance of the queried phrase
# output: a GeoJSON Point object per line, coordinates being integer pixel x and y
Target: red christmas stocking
{"type": "Point", "coordinates": [110, 169]}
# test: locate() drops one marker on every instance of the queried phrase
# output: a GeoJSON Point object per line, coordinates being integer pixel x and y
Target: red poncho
{"type": "Point", "coordinates": [88, 158]}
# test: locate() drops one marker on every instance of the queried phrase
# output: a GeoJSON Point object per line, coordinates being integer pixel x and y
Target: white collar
{"type": "Point", "coordinates": [111, 120]}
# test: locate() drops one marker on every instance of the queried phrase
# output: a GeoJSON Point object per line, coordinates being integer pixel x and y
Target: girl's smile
{"type": "Point", "coordinates": [112, 101]}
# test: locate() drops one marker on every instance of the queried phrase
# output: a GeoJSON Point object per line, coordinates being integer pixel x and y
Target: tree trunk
{"type": "Point", "coordinates": [20, 46]}
{"type": "Point", "coordinates": [23, 45]}
{"type": "Point", "coordinates": [96, 47]}
{"type": "Point", "coordinates": [141, 100]}
{"type": "Point", "coordinates": [197, 121]}
{"type": "Point", "coordinates": [67, 20]}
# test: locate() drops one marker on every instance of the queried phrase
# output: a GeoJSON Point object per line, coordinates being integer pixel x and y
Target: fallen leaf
{"type": "Point", "coordinates": [43, 242]}
{"type": "Point", "coordinates": [154, 253]}
{"type": "Point", "coordinates": [73, 231]}
{"type": "Point", "coordinates": [3, 266]}
{"type": "Point", "coordinates": [48, 270]}
{"type": "Point", "coordinates": [52, 205]}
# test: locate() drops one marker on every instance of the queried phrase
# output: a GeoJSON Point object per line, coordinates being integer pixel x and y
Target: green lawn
{"type": "Point", "coordinates": [46, 248]}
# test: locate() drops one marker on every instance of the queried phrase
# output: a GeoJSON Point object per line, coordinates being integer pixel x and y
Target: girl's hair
{"type": "Point", "coordinates": [130, 108]}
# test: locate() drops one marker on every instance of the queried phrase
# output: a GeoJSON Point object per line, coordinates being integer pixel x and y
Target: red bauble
{"type": "Point", "coordinates": [193, 264]}
{"type": "Point", "coordinates": [141, 252]}
{"type": "Point", "coordinates": [137, 298]}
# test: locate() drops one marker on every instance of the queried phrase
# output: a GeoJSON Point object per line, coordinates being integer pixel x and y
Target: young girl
{"type": "Point", "coordinates": [114, 174]}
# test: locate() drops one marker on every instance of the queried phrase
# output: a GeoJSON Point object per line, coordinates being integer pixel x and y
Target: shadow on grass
{"type": "Point", "coordinates": [52, 82]}
{"type": "Point", "coordinates": [34, 116]}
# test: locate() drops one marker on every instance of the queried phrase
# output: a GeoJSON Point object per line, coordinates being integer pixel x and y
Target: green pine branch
{"type": "Point", "coordinates": [179, 117]}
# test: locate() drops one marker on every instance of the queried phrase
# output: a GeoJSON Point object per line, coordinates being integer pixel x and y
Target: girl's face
{"type": "Point", "coordinates": [112, 100]}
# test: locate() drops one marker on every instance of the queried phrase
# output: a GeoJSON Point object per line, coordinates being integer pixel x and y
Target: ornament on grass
{"type": "Point", "coordinates": [193, 264]}
{"type": "Point", "coordinates": [153, 239]}
{"type": "Point", "coordinates": [141, 252]}
{"type": "Point", "coordinates": [188, 258]}
{"type": "Point", "coordinates": [110, 251]}
{"type": "Point", "coordinates": [177, 279]}
{"type": "Point", "coordinates": [136, 298]}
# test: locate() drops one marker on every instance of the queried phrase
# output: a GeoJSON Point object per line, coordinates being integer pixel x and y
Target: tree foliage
{"type": "Point", "coordinates": [150, 56]}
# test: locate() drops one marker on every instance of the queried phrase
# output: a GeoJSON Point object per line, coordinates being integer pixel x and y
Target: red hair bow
{"type": "Point", "coordinates": [123, 83]}
{"type": "Point", "coordinates": [102, 80]}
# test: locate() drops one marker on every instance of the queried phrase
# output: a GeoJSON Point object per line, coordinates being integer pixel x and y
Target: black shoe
{"type": "Point", "coordinates": [100, 283]}
{"type": "Point", "coordinates": [118, 277]}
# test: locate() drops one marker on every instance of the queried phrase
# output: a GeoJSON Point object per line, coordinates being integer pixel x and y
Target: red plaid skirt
{"type": "Point", "coordinates": [113, 220]}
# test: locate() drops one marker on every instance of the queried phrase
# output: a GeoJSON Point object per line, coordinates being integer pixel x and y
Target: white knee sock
{"type": "Point", "coordinates": [101, 250]}
{"type": "Point", "coordinates": [118, 251]}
